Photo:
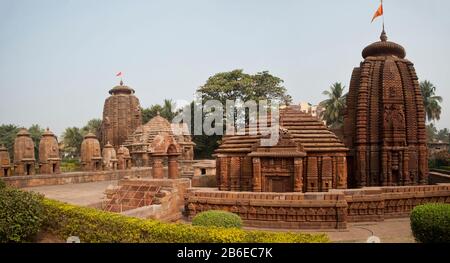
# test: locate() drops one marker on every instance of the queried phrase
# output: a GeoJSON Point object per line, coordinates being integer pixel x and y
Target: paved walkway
{"type": "Point", "coordinates": [389, 231]}
{"type": "Point", "coordinates": [85, 194]}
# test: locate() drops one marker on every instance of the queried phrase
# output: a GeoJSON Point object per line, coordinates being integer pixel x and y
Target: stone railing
{"type": "Point", "coordinates": [274, 210]}
{"type": "Point", "coordinates": [317, 210]}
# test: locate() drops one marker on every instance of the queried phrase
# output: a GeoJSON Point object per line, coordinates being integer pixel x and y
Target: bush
{"type": "Point", "coordinates": [430, 223]}
{"type": "Point", "coordinates": [93, 226]}
{"type": "Point", "coordinates": [217, 218]}
{"type": "Point", "coordinates": [2, 184]}
{"type": "Point", "coordinates": [440, 159]}
{"type": "Point", "coordinates": [447, 168]}
{"type": "Point", "coordinates": [70, 165]}
{"type": "Point", "coordinates": [21, 215]}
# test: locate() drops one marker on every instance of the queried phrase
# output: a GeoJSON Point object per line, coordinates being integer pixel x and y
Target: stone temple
{"type": "Point", "coordinates": [121, 116]}
{"type": "Point", "coordinates": [310, 179]}
{"type": "Point", "coordinates": [49, 159]}
{"type": "Point", "coordinates": [91, 155]}
{"type": "Point", "coordinates": [153, 144]}
{"type": "Point", "coordinates": [307, 158]}
{"type": "Point", "coordinates": [384, 125]}
{"type": "Point", "coordinates": [5, 164]}
{"type": "Point", "coordinates": [24, 159]}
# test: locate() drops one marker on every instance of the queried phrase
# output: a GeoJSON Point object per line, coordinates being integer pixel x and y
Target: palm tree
{"type": "Point", "coordinates": [431, 101]}
{"type": "Point", "coordinates": [168, 109]}
{"type": "Point", "coordinates": [334, 105]}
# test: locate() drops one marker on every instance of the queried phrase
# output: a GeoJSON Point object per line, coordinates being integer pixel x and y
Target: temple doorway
{"type": "Point", "coordinates": [279, 184]}
{"type": "Point", "coordinates": [28, 169]}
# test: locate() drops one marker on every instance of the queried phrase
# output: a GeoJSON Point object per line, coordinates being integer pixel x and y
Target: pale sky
{"type": "Point", "coordinates": [58, 58]}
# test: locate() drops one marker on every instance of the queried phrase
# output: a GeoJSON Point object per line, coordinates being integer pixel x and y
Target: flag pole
{"type": "Point", "coordinates": [383, 13]}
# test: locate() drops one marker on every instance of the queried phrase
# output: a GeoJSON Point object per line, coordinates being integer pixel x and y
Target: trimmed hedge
{"type": "Point", "coordinates": [93, 226]}
{"type": "Point", "coordinates": [217, 218]}
{"type": "Point", "coordinates": [430, 223]}
{"type": "Point", "coordinates": [21, 214]}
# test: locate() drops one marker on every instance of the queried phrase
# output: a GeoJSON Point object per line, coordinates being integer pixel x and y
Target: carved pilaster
{"type": "Point", "coordinates": [235, 173]}
{"type": "Point", "coordinates": [158, 170]}
{"type": "Point", "coordinates": [341, 172]}
{"type": "Point", "coordinates": [361, 166]}
{"type": "Point", "coordinates": [326, 174]}
{"type": "Point", "coordinates": [298, 175]}
{"type": "Point", "coordinates": [256, 174]}
{"type": "Point", "coordinates": [224, 186]}
{"type": "Point", "coordinates": [173, 172]}
{"type": "Point", "coordinates": [406, 177]}
{"type": "Point", "coordinates": [312, 175]}
{"type": "Point", "coordinates": [384, 160]}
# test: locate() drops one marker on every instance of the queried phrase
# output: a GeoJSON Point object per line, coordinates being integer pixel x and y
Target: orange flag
{"type": "Point", "coordinates": [378, 13]}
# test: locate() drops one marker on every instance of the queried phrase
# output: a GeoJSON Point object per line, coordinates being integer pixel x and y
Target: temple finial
{"type": "Point", "coordinates": [121, 82]}
{"type": "Point", "coordinates": [383, 36]}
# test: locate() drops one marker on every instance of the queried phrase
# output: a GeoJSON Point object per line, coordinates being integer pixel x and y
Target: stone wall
{"type": "Point", "coordinates": [204, 181]}
{"type": "Point", "coordinates": [318, 210]}
{"type": "Point", "coordinates": [75, 177]}
{"type": "Point", "coordinates": [439, 177]}
{"type": "Point", "coordinates": [274, 210]}
{"type": "Point", "coordinates": [379, 203]}
{"type": "Point", "coordinates": [167, 204]}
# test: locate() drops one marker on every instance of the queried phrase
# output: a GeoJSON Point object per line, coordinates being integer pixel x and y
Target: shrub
{"type": "Point", "coordinates": [21, 215]}
{"type": "Point", "coordinates": [93, 225]}
{"type": "Point", "coordinates": [70, 165]}
{"type": "Point", "coordinates": [217, 218]}
{"type": "Point", "coordinates": [430, 223]}
{"type": "Point", "coordinates": [2, 184]}
{"type": "Point", "coordinates": [439, 159]}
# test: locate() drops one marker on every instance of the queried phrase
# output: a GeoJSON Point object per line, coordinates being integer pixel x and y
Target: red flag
{"type": "Point", "coordinates": [379, 12]}
{"type": "Point", "coordinates": [119, 74]}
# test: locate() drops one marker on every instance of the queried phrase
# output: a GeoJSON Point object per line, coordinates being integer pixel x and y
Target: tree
{"type": "Point", "coordinates": [431, 132]}
{"type": "Point", "coordinates": [443, 135]}
{"type": "Point", "coordinates": [7, 136]}
{"type": "Point", "coordinates": [236, 84]}
{"type": "Point", "coordinates": [334, 105]}
{"type": "Point", "coordinates": [92, 126]}
{"type": "Point", "coordinates": [72, 138]}
{"type": "Point", "coordinates": [166, 111]}
{"type": "Point", "coordinates": [36, 134]}
{"type": "Point", "coordinates": [431, 101]}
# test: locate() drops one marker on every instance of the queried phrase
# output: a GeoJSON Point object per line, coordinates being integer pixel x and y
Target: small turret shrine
{"type": "Point", "coordinates": [5, 162]}
{"type": "Point", "coordinates": [123, 158]}
{"type": "Point", "coordinates": [49, 159]}
{"type": "Point", "coordinates": [91, 158]}
{"type": "Point", "coordinates": [109, 157]}
{"type": "Point", "coordinates": [24, 159]}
